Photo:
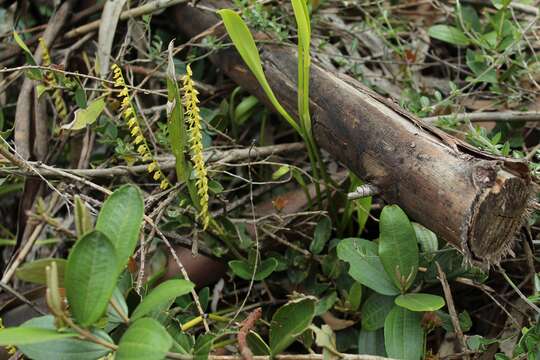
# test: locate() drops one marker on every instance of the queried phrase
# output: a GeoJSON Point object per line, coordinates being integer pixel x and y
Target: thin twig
{"type": "Point", "coordinates": [452, 310]}
{"type": "Point", "coordinates": [507, 116]}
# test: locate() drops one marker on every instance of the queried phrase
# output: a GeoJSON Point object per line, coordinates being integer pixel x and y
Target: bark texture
{"type": "Point", "coordinates": [471, 199]}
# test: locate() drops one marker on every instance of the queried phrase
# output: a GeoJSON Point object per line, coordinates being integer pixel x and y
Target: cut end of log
{"type": "Point", "coordinates": [499, 211]}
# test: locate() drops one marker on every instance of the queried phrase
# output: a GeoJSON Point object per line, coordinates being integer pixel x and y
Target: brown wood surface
{"type": "Point", "coordinates": [471, 199]}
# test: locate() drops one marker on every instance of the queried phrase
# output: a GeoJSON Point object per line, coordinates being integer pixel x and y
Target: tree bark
{"type": "Point", "coordinates": [471, 199]}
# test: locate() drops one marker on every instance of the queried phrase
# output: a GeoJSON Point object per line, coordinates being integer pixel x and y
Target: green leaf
{"type": "Point", "coordinates": [117, 313]}
{"type": "Point", "coordinates": [449, 34]}
{"type": "Point", "coordinates": [398, 248]}
{"type": "Point", "coordinates": [245, 45]}
{"type": "Point", "coordinates": [146, 339]}
{"type": "Point", "coordinates": [120, 219]}
{"type": "Point", "coordinates": [202, 346]}
{"type": "Point", "coordinates": [375, 310]}
{"type": "Point", "coordinates": [326, 303]}
{"type": "Point", "coordinates": [403, 334]}
{"type": "Point", "coordinates": [257, 345]}
{"type": "Point", "coordinates": [420, 302]}
{"type": "Point", "coordinates": [323, 230]}
{"type": "Point", "coordinates": [34, 272]}
{"type": "Point", "coordinates": [426, 238]}
{"type": "Point", "coordinates": [64, 349]}
{"type": "Point", "coordinates": [290, 321]}
{"type": "Point", "coordinates": [244, 269]}
{"type": "Point", "coordinates": [371, 343]}
{"type": "Point", "coordinates": [283, 170]}
{"type": "Point", "coordinates": [164, 293]}
{"type": "Point", "coordinates": [90, 277]}
{"type": "Point", "coordinates": [244, 110]}
{"type": "Point", "coordinates": [21, 43]}
{"type": "Point", "coordinates": [88, 116]}
{"type": "Point", "coordinates": [365, 265]}
{"type": "Point", "coordinates": [178, 137]}
{"type": "Point", "coordinates": [83, 219]}
{"type": "Point", "coordinates": [355, 296]}
{"type": "Point", "coordinates": [30, 335]}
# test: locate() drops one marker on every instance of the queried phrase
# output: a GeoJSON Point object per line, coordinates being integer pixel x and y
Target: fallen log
{"type": "Point", "coordinates": [471, 199]}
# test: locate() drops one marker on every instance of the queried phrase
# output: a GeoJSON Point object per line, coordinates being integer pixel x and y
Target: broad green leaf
{"type": "Point", "coordinates": [420, 302]}
{"type": "Point", "coordinates": [323, 230]}
{"type": "Point", "coordinates": [398, 249]}
{"type": "Point", "coordinates": [365, 265]}
{"type": "Point", "coordinates": [63, 349]}
{"type": "Point", "coordinates": [449, 34]}
{"type": "Point", "coordinates": [371, 343]}
{"type": "Point", "coordinates": [375, 310]}
{"type": "Point", "coordinates": [244, 269]}
{"type": "Point", "coordinates": [355, 296]}
{"type": "Point", "coordinates": [30, 335]}
{"type": "Point", "coordinates": [90, 277]}
{"type": "Point", "coordinates": [426, 238]}
{"type": "Point", "coordinates": [257, 345]}
{"type": "Point", "coordinates": [290, 321]}
{"type": "Point", "coordinates": [202, 346]}
{"type": "Point", "coordinates": [164, 293]}
{"type": "Point", "coordinates": [34, 272]}
{"type": "Point", "coordinates": [403, 334]}
{"type": "Point", "coordinates": [86, 117]}
{"type": "Point", "coordinates": [120, 219]}
{"type": "Point", "coordinates": [245, 45]}
{"type": "Point", "coordinates": [145, 339]}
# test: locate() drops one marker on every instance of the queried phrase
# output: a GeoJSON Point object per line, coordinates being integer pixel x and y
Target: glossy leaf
{"type": "Point", "coordinates": [145, 339]}
{"type": "Point", "coordinates": [403, 334]}
{"type": "Point", "coordinates": [375, 310]}
{"type": "Point", "coordinates": [245, 45]}
{"type": "Point", "coordinates": [120, 219]}
{"type": "Point", "coordinates": [365, 265]}
{"type": "Point", "coordinates": [164, 293]}
{"type": "Point", "coordinates": [90, 277]}
{"type": "Point", "coordinates": [398, 248]}
{"type": "Point", "coordinates": [290, 321]}
{"type": "Point", "coordinates": [420, 302]}
{"type": "Point", "coordinates": [244, 269]}
{"type": "Point", "coordinates": [34, 272]}
{"type": "Point", "coordinates": [355, 296]}
{"type": "Point", "coordinates": [70, 348]}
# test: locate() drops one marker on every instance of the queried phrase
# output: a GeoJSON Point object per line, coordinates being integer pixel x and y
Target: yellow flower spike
{"type": "Point", "coordinates": [195, 130]}
{"type": "Point", "coordinates": [132, 122]}
{"type": "Point", "coordinates": [129, 114]}
{"type": "Point", "coordinates": [164, 184]}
